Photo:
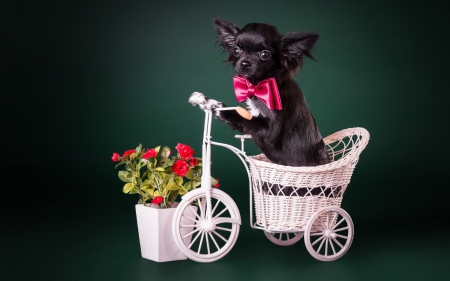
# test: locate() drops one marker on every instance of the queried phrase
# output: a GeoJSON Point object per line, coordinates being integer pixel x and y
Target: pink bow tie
{"type": "Point", "coordinates": [266, 91]}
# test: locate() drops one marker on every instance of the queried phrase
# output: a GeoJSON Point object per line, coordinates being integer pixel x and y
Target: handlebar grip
{"type": "Point", "coordinates": [244, 113]}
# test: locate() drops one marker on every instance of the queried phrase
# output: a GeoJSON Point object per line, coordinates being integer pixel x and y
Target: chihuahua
{"type": "Point", "coordinates": [265, 61]}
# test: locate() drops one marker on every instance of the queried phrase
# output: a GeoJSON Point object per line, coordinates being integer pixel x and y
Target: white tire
{"type": "Point", "coordinates": [207, 242]}
{"type": "Point", "coordinates": [284, 238]}
{"type": "Point", "coordinates": [329, 233]}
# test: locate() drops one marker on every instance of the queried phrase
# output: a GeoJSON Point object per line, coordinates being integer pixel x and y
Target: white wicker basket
{"type": "Point", "coordinates": [285, 197]}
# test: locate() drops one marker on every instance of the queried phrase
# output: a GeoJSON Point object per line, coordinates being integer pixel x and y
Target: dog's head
{"type": "Point", "coordinates": [258, 51]}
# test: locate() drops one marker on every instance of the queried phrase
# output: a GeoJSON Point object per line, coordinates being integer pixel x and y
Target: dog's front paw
{"type": "Point", "coordinates": [203, 102]}
{"type": "Point", "coordinates": [198, 99]}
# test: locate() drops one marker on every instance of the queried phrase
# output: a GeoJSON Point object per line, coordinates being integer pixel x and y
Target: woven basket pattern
{"type": "Point", "coordinates": [288, 196]}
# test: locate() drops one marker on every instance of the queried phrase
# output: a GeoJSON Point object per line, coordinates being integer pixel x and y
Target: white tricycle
{"type": "Point", "coordinates": [288, 202]}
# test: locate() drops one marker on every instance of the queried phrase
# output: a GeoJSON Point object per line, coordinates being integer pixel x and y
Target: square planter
{"type": "Point", "coordinates": [155, 234]}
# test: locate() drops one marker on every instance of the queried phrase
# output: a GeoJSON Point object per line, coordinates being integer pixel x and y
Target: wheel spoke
{"type": "Point", "coordinates": [332, 226]}
{"type": "Point", "coordinates": [341, 236]}
{"type": "Point", "coordinates": [221, 212]}
{"type": "Point", "coordinates": [326, 247]}
{"type": "Point", "coordinates": [214, 209]}
{"type": "Point", "coordinates": [190, 233]}
{"type": "Point", "coordinates": [200, 243]}
{"type": "Point", "coordinates": [332, 247]}
{"type": "Point", "coordinates": [340, 229]}
{"type": "Point", "coordinates": [328, 220]}
{"type": "Point", "coordinates": [321, 244]}
{"type": "Point", "coordinates": [207, 243]}
{"type": "Point", "coordinates": [321, 222]}
{"type": "Point", "coordinates": [343, 219]}
{"type": "Point", "coordinates": [195, 213]}
{"type": "Point", "coordinates": [215, 232]}
{"type": "Point", "coordinates": [189, 218]}
{"type": "Point", "coordinates": [195, 238]}
{"type": "Point", "coordinates": [317, 241]}
{"type": "Point", "coordinates": [316, 234]}
{"type": "Point", "coordinates": [214, 240]}
{"type": "Point", "coordinates": [224, 228]}
{"type": "Point", "coordinates": [187, 225]}
{"type": "Point", "coordinates": [337, 242]}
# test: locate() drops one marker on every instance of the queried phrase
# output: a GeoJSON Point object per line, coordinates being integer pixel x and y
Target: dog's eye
{"type": "Point", "coordinates": [236, 51]}
{"type": "Point", "coordinates": [265, 55]}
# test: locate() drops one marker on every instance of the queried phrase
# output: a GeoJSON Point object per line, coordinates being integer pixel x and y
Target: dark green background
{"type": "Point", "coordinates": [83, 79]}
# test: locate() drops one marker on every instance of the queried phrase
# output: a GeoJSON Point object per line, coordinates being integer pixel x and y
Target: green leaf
{"type": "Point", "coordinates": [172, 186]}
{"type": "Point", "coordinates": [183, 191]}
{"type": "Point", "coordinates": [190, 174]}
{"type": "Point", "coordinates": [163, 175]}
{"type": "Point", "coordinates": [134, 155]}
{"type": "Point", "coordinates": [214, 181]}
{"type": "Point", "coordinates": [158, 148]}
{"type": "Point", "coordinates": [173, 196]}
{"type": "Point", "coordinates": [145, 185]}
{"type": "Point", "coordinates": [160, 169]}
{"type": "Point", "coordinates": [125, 176]}
{"type": "Point", "coordinates": [178, 180]}
{"type": "Point", "coordinates": [127, 187]}
{"type": "Point", "coordinates": [146, 196]}
{"type": "Point", "coordinates": [150, 192]}
{"type": "Point", "coordinates": [195, 184]}
{"type": "Point", "coordinates": [166, 163]}
{"type": "Point", "coordinates": [139, 148]}
{"type": "Point", "coordinates": [187, 186]}
{"type": "Point", "coordinates": [150, 177]}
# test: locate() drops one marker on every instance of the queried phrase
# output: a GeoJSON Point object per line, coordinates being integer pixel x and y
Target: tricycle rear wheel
{"type": "Point", "coordinates": [284, 238]}
{"type": "Point", "coordinates": [329, 233]}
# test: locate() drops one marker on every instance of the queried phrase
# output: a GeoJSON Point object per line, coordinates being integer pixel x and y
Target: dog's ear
{"type": "Point", "coordinates": [294, 46]}
{"type": "Point", "coordinates": [226, 32]}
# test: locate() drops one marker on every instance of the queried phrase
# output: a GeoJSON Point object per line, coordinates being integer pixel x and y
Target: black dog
{"type": "Point", "coordinates": [288, 134]}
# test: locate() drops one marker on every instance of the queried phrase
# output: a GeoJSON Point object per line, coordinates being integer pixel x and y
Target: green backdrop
{"type": "Point", "coordinates": [83, 79]}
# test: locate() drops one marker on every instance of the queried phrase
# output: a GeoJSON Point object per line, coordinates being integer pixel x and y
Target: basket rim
{"type": "Point", "coordinates": [349, 158]}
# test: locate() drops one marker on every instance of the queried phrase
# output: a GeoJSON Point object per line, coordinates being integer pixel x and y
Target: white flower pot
{"type": "Point", "coordinates": [155, 233]}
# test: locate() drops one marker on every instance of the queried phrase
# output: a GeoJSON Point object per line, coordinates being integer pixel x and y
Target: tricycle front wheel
{"type": "Point", "coordinates": [207, 239]}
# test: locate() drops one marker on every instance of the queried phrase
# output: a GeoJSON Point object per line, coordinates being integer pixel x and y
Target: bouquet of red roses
{"type": "Point", "coordinates": [156, 176]}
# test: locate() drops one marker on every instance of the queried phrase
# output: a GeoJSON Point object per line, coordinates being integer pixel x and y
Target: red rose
{"type": "Point", "coordinates": [185, 151]}
{"type": "Point", "coordinates": [217, 185]}
{"type": "Point", "coordinates": [193, 161]}
{"type": "Point", "coordinates": [157, 200]}
{"type": "Point", "coordinates": [115, 157]}
{"type": "Point", "coordinates": [180, 168]}
{"type": "Point", "coordinates": [128, 152]}
{"type": "Point", "coordinates": [150, 153]}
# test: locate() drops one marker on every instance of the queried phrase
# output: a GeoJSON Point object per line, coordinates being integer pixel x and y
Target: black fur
{"type": "Point", "coordinates": [289, 136]}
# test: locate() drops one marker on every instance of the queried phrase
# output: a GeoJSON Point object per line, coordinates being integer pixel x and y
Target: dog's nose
{"type": "Point", "coordinates": [245, 64]}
